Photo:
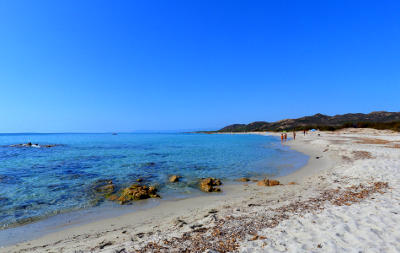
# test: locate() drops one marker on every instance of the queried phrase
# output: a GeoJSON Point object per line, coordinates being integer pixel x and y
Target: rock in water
{"type": "Point", "coordinates": [104, 187]}
{"type": "Point", "coordinates": [243, 179]}
{"type": "Point", "coordinates": [112, 197]}
{"type": "Point", "coordinates": [49, 145]}
{"type": "Point", "coordinates": [174, 179]}
{"type": "Point", "coordinates": [209, 184]}
{"type": "Point", "coordinates": [31, 145]}
{"type": "Point", "coordinates": [137, 192]}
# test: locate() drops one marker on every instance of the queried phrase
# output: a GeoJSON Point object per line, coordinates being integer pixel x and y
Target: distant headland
{"type": "Point", "coordinates": [377, 120]}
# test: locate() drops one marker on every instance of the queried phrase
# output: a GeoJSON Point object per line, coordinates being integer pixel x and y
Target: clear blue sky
{"type": "Point", "coordinates": [94, 66]}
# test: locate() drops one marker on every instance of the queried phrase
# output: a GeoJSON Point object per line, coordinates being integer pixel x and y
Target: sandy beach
{"type": "Point", "coordinates": [346, 199]}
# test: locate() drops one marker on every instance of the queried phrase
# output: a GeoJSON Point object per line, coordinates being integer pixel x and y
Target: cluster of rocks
{"type": "Point", "coordinates": [137, 192]}
{"type": "Point", "coordinates": [106, 189]}
{"type": "Point", "coordinates": [210, 184]}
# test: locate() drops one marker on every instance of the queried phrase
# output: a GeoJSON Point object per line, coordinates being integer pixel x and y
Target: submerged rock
{"type": "Point", "coordinates": [104, 187]}
{"type": "Point", "coordinates": [49, 146]}
{"type": "Point", "coordinates": [268, 182]}
{"type": "Point", "coordinates": [243, 179]}
{"type": "Point", "coordinates": [31, 145]}
{"type": "Point", "coordinates": [137, 192]}
{"type": "Point", "coordinates": [174, 178]}
{"type": "Point", "coordinates": [209, 184]}
{"type": "Point", "coordinates": [112, 197]}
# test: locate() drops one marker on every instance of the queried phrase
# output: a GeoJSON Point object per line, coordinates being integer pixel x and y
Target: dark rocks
{"type": "Point", "coordinates": [243, 179]}
{"type": "Point", "coordinates": [49, 146]}
{"type": "Point", "coordinates": [104, 244]}
{"type": "Point", "coordinates": [31, 145]}
{"type": "Point", "coordinates": [210, 184]}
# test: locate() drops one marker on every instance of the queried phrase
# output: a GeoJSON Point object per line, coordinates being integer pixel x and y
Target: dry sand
{"type": "Point", "coordinates": [346, 200]}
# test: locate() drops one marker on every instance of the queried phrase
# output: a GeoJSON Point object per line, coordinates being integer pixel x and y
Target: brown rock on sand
{"type": "Point", "coordinates": [262, 183]}
{"type": "Point", "coordinates": [268, 182]}
{"type": "Point", "coordinates": [273, 182]}
{"type": "Point", "coordinates": [243, 179]}
{"type": "Point", "coordinates": [291, 183]}
{"type": "Point", "coordinates": [209, 184]}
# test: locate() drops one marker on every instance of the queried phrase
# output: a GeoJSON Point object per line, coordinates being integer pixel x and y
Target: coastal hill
{"type": "Point", "coordinates": [378, 120]}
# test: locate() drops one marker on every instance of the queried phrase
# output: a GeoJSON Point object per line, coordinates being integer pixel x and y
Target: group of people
{"type": "Point", "coordinates": [284, 135]}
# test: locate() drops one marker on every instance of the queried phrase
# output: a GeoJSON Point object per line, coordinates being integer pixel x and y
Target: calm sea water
{"type": "Point", "coordinates": [41, 182]}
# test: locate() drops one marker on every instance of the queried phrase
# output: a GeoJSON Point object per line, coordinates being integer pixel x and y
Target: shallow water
{"type": "Point", "coordinates": [39, 182]}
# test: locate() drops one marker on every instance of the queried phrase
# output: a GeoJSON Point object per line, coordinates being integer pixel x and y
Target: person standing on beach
{"type": "Point", "coordinates": [285, 136]}
{"type": "Point", "coordinates": [294, 135]}
{"type": "Point", "coordinates": [304, 131]}
{"type": "Point", "coordinates": [281, 137]}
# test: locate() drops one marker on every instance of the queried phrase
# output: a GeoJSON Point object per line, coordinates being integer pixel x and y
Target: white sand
{"type": "Point", "coordinates": [370, 225]}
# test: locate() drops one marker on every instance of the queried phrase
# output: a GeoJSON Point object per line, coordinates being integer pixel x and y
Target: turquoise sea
{"type": "Point", "coordinates": [36, 183]}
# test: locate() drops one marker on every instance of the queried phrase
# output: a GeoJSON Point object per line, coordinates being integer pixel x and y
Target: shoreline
{"type": "Point", "coordinates": [341, 163]}
{"type": "Point", "coordinates": [176, 208]}
{"type": "Point", "coordinates": [260, 163]}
